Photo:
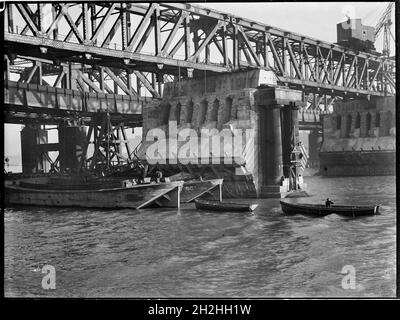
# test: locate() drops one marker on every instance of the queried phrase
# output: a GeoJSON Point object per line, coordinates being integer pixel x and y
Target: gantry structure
{"type": "Point", "coordinates": [140, 46]}
{"type": "Point", "coordinates": [73, 61]}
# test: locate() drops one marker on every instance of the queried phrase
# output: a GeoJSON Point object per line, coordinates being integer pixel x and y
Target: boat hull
{"type": "Point", "coordinates": [224, 206]}
{"type": "Point", "coordinates": [135, 197]}
{"type": "Point", "coordinates": [321, 210]}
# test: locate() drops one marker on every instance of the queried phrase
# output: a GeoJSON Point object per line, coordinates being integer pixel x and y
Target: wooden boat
{"type": "Point", "coordinates": [322, 210]}
{"type": "Point", "coordinates": [224, 206]}
{"type": "Point", "coordinates": [206, 189]}
{"type": "Point", "coordinates": [194, 188]}
{"type": "Point", "coordinates": [110, 195]}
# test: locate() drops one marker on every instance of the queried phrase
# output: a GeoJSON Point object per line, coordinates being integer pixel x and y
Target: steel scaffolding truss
{"type": "Point", "coordinates": [139, 45]}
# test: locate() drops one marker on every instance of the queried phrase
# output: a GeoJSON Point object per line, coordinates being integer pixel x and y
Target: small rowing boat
{"type": "Point", "coordinates": [322, 210]}
{"type": "Point", "coordinates": [224, 206]}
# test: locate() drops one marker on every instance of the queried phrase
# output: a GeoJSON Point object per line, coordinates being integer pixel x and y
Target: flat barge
{"type": "Point", "coordinates": [112, 194]}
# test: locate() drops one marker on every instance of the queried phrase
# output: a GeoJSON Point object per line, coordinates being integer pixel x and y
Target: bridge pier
{"type": "Point", "coordinates": [71, 142]}
{"type": "Point", "coordinates": [271, 168]}
{"type": "Point", "coordinates": [279, 134]}
{"type": "Point", "coordinates": [313, 148]}
{"type": "Point", "coordinates": [366, 148]}
{"type": "Point", "coordinates": [261, 122]}
{"type": "Point", "coordinates": [290, 134]}
{"type": "Point", "coordinates": [33, 139]}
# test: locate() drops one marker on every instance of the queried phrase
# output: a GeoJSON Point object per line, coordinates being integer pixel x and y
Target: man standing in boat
{"type": "Point", "coordinates": [159, 176]}
{"type": "Point", "coordinates": [328, 203]}
{"type": "Point", "coordinates": [142, 173]}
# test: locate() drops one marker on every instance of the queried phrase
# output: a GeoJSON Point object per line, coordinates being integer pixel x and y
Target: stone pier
{"type": "Point", "coordinates": [359, 138]}
{"type": "Point", "coordinates": [314, 144]}
{"type": "Point", "coordinates": [279, 132]}
{"type": "Point", "coordinates": [227, 126]}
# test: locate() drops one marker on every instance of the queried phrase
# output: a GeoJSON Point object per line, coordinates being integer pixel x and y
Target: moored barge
{"type": "Point", "coordinates": [109, 194]}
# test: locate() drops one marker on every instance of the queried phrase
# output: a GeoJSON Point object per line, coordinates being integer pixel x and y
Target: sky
{"type": "Point", "coordinates": [314, 19]}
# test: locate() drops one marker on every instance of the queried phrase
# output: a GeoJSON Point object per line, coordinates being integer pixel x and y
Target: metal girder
{"type": "Point", "coordinates": [295, 58]}
{"type": "Point", "coordinates": [147, 84]}
{"type": "Point", "coordinates": [24, 114]}
{"type": "Point", "coordinates": [90, 83]}
{"type": "Point", "coordinates": [142, 25]}
{"type": "Point", "coordinates": [59, 78]}
{"type": "Point", "coordinates": [108, 154]}
{"type": "Point", "coordinates": [171, 36]}
{"type": "Point", "coordinates": [62, 48]}
{"type": "Point", "coordinates": [102, 23]}
{"type": "Point", "coordinates": [145, 36]}
{"type": "Point", "coordinates": [92, 78]}
{"type": "Point", "coordinates": [73, 25]}
{"type": "Point", "coordinates": [28, 18]}
{"type": "Point", "coordinates": [206, 41]}
{"type": "Point", "coordinates": [112, 33]}
{"type": "Point", "coordinates": [119, 82]}
{"type": "Point", "coordinates": [249, 46]}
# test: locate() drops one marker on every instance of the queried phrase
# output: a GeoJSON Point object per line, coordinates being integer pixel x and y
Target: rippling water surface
{"type": "Point", "coordinates": [191, 253]}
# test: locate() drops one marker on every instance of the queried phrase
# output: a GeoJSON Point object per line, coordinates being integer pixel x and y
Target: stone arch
{"type": "Point", "coordinates": [228, 108]}
{"type": "Point", "coordinates": [186, 113]}
{"type": "Point", "coordinates": [224, 112]}
{"type": "Point", "coordinates": [202, 112]}
{"type": "Point", "coordinates": [349, 118]}
{"type": "Point", "coordinates": [378, 120]}
{"type": "Point", "coordinates": [357, 123]}
{"type": "Point", "coordinates": [338, 122]}
{"type": "Point", "coordinates": [388, 123]}
{"type": "Point", "coordinates": [212, 112]}
{"type": "Point", "coordinates": [166, 110]}
{"type": "Point", "coordinates": [368, 123]}
{"type": "Point", "coordinates": [235, 109]}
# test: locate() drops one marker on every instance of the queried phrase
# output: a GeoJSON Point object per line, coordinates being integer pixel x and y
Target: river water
{"type": "Point", "coordinates": [191, 253]}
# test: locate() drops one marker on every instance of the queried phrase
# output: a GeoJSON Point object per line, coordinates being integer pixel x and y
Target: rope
{"type": "Point", "coordinates": [179, 77]}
